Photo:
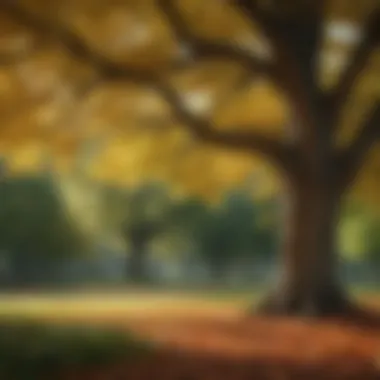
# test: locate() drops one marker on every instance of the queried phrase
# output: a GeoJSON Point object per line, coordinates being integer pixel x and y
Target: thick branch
{"type": "Point", "coordinates": [9, 60]}
{"type": "Point", "coordinates": [352, 159]}
{"type": "Point", "coordinates": [198, 47]}
{"type": "Point", "coordinates": [370, 40]}
{"type": "Point", "coordinates": [294, 30]}
{"type": "Point", "coordinates": [281, 24]}
{"type": "Point", "coordinates": [70, 41]}
{"type": "Point", "coordinates": [281, 154]}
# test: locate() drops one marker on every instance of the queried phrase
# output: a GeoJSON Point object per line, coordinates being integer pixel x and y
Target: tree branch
{"type": "Point", "coordinates": [200, 48]}
{"type": "Point", "coordinates": [9, 60]}
{"type": "Point", "coordinates": [294, 30]}
{"type": "Point", "coordinates": [352, 159]}
{"type": "Point", "coordinates": [281, 23]}
{"type": "Point", "coordinates": [71, 42]}
{"type": "Point", "coordinates": [367, 46]}
{"type": "Point", "coordinates": [205, 131]}
{"type": "Point", "coordinates": [281, 154]}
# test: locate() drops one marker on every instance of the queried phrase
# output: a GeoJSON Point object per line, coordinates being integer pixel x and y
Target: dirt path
{"type": "Point", "coordinates": [216, 345]}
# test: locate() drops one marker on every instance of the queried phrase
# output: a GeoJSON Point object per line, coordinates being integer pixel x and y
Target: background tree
{"type": "Point", "coordinates": [35, 232]}
{"type": "Point", "coordinates": [223, 234]}
{"type": "Point", "coordinates": [146, 218]}
{"type": "Point", "coordinates": [325, 125]}
{"type": "Point", "coordinates": [254, 223]}
{"type": "Point", "coordinates": [139, 215]}
{"type": "Point", "coordinates": [208, 233]}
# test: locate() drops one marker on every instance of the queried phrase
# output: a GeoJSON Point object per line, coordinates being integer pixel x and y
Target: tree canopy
{"type": "Point", "coordinates": [237, 229]}
{"type": "Point", "coordinates": [33, 221]}
{"type": "Point", "coordinates": [131, 73]}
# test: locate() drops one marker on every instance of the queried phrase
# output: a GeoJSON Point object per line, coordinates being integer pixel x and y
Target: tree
{"type": "Point", "coordinates": [34, 228]}
{"type": "Point", "coordinates": [140, 215]}
{"type": "Point", "coordinates": [254, 223]}
{"type": "Point", "coordinates": [221, 235]}
{"type": "Point", "coordinates": [209, 232]}
{"type": "Point", "coordinates": [317, 171]}
{"type": "Point", "coordinates": [145, 220]}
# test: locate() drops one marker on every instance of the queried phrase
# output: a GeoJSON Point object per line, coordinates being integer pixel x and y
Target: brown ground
{"type": "Point", "coordinates": [224, 345]}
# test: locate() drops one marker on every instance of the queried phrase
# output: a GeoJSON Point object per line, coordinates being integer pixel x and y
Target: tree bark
{"type": "Point", "coordinates": [308, 279]}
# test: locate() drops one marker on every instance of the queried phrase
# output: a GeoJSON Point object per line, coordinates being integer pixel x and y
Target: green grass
{"type": "Point", "coordinates": [105, 304]}
{"type": "Point", "coordinates": [36, 339]}
{"type": "Point", "coordinates": [31, 350]}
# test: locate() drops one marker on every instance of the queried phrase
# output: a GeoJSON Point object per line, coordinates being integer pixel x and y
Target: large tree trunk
{"type": "Point", "coordinates": [308, 279]}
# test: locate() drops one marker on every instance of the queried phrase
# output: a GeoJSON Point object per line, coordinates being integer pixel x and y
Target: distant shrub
{"type": "Point", "coordinates": [31, 351]}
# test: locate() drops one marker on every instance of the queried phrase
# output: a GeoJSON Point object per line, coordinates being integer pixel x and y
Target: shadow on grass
{"type": "Point", "coordinates": [36, 351]}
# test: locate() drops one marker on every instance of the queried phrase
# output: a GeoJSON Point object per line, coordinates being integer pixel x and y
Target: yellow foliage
{"type": "Point", "coordinates": [367, 185]}
{"type": "Point", "coordinates": [363, 98]}
{"type": "Point", "coordinates": [260, 107]}
{"type": "Point", "coordinates": [48, 99]}
{"type": "Point", "coordinates": [28, 158]}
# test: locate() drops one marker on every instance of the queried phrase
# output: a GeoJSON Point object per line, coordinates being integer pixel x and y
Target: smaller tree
{"type": "Point", "coordinates": [253, 223]}
{"type": "Point", "coordinates": [221, 235]}
{"type": "Point", "coordinates": [147, 215]}
{"type": "Point", "coordinates": [35, 230]}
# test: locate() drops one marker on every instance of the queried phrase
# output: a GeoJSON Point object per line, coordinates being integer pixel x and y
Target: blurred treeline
{"type": "Point", "coordinates": [146, 233]}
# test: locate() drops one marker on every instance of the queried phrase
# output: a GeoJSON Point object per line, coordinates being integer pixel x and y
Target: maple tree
{"type": "Point", "coordinates": [271, 69]}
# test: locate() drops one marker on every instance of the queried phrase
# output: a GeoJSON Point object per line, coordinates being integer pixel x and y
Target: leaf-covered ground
{"type": "Point", "coordinates": [210, 341]}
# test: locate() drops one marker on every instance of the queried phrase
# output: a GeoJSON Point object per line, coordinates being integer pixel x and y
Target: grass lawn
{"type": "Point", "coordinates": [103, 304]}
{"type": "Point", "coordinates": [198, 336]}
{"type": "Point", "coordinates": [106, 304]}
